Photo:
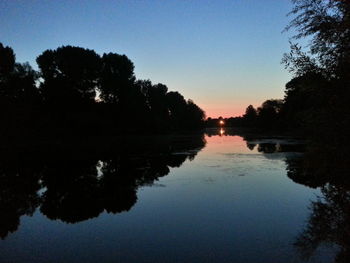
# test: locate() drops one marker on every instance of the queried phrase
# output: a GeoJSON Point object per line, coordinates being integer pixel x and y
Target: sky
{"type": "Point", "coordinates": [222, 54]}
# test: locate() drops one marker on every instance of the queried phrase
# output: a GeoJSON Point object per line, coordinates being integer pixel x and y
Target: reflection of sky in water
{"type": "Point", "coordinates": [230, 204]}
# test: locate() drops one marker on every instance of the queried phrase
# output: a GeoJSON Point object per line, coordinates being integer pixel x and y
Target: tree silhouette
{"type": "Point", "coordinates": [156, 101]}
{"type": "Point", "coordinates": [17, 81]}
{"type": "Point", "coordinates": [250, 115]}
{"type": "Point", "coordinates": [117, 78]}
{"type": "Point", "coordinates": [321, 80]}
{"type": "Point", "coordinates": [70, 74]}
{"type": "Point", "coordinates": [195, 115]}
{"type": "Point", "coordinates": [327, 24]}
{"type": "Point", "coordinates": [73, 75]}
{"type": "Point", "coordinates": [7, 61]}
{"type": "Point", "coordinates": [79, 93]}
{"type": "Point", "coordinates": [177, 108]}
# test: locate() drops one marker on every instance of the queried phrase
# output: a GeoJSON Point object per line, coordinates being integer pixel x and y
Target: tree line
{"type": "Point", "coordinates": [77, 91]}
{"type": "Point", "coordinates": [316, 100]}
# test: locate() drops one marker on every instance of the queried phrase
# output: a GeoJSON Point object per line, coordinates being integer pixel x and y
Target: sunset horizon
{"type": "Point", "coordinates": [192, 131]}
{"type": "Point", "coordinates": [210, 51]}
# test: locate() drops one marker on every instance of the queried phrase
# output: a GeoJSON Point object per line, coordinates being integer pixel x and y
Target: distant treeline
{"type": "Point", "coordinates": [317, 99]}
{"type": "Point", "coordinates": [76, 91]}
{"type": "Point", "coordinates": [265, 117]}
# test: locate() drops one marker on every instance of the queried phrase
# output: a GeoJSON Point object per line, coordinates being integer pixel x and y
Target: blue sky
{"type": "Point", "coordinates": [223, 54]}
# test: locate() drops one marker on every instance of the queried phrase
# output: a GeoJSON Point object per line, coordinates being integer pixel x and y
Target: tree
{"type": "Point", "coordinates": [7, 66]}
{"type": "Point", "coordinates": [268, 113]}
{"type": "Point", "coordinates": [250, 115]}
{"type": "Point", "coordinates": [157, 103]}
{"type": "Point", "coordinates": [17, 81]}
{"type": "Point", "coordinates": [195, 116]}
{"type": "Point", "coordinates": [70, 74]}
{"type": "Point", "coordinates": [22, 84]}
{"type": "Point", "coordinates": [117, 77]}
{"type": "Point", "coordinates": [78, 92]}
{"type": "Point", "coordinates": [305, 101]}
{"type": "Point", "coordinates": [327, 24]}
{"type": "Point", "coordinates": [177, 108]}
{"type": "Point", "coordinates": [7, 61]}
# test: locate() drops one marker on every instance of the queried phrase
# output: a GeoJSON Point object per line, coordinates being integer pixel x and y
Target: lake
{"type": "Point", "coordinates": [217, 197]}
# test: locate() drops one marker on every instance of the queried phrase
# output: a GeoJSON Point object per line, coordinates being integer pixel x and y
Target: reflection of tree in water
{"type": "Point", "coordinates": [18, 194]}
{"type": "Point", "coordinates": [72, 192]}
{"type": "Point", "coordinates": [267, 147]}
{"type": "Point", "coordinates": [329, 223]}
{"type": "Point", "coordinates": [324, 166]}
{"type": "Point", "coordinates": [80, 184]}
{"type": "Point", "coordinates": [251, 146]}
{"type": "Point", "coordinates": [301, 174]}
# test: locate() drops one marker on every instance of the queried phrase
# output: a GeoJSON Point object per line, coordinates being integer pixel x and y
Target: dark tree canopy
{"type": "Point", "coordinates": [250, 114]}
{"type": "Point", "coordinates": [326, 23]}
{"type": "Point", "coordinates": [78, 92]}
{"type": "Point", "coordinates": [69, 73]}
{"type": "Point", "coordinates": [318, 94]}
{"type": "Point", "coordinates": [117, 76]}
{"type": "Point", "coordinates": [7, 61]}
{"type": "Point", "coordinates": [177, 107]}
{"type": "Point", "coordinates": [17, 81]}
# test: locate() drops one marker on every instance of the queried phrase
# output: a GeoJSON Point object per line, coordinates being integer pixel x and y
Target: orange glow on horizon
{"type": "Point", "coordinates": [224, 109]}
{"type": "Point", "coordinates": [225, 113]}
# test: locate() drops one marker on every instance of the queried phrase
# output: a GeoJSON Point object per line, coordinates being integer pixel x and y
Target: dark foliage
{"type": "Point", "coordinates": [80, 93]}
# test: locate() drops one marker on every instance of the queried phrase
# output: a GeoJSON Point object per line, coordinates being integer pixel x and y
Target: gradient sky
{"type": "Point", "coordinates": [223, 54]}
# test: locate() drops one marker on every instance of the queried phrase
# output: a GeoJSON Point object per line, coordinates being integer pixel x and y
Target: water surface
{"type": "Point", "coordinates": [220, 198]}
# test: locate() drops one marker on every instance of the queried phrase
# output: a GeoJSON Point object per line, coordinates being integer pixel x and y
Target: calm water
{"type": "Point", "coordinates": [227, 199]}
